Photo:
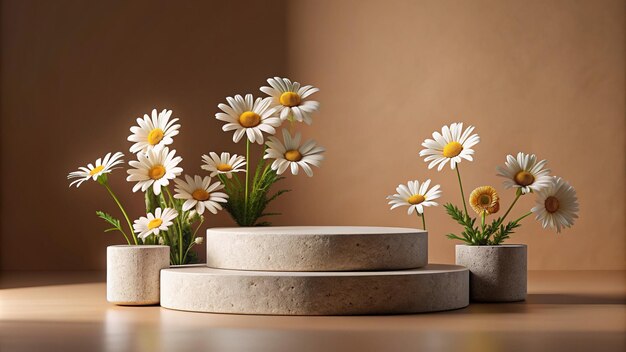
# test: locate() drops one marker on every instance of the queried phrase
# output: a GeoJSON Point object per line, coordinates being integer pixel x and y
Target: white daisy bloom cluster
{"type": "Point", "coordinates": [100, 167]}
{"type": "Point", "coordinates": [153, 130]}
{"type": "Point", "coordinates": [291, 154]}
{"type": "Point", "coordinates": [415, 195]}
{"type": "Point", "coordinates": [223, 164]}
{"type": "Point", "coordinates": [152, 224]}
{"type": "Point", "coordinates": [154, 169]}
{"type": "Point", "coordinates": [451, 145]}
{"type": "Point", "coordinates": [200, 194]}
{"type": "Point", "coordinates": [156, 164]}
{"type": "Point", "coordinates": [556, 205]}
{"type": "Point", "coordinates": [247, 116]}
{"type": "Point", "coordinates": [525, 173]}
{"type": "Point", "coordinates": [291, 99]}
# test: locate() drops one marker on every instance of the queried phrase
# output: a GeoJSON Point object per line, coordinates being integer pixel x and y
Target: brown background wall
{"type": "Point", "coordinates": [537, 76]}
{"type": "Point", "coordinates": [76, 75]}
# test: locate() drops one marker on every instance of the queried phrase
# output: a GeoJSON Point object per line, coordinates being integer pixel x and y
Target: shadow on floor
{"type": "Point", "coordinates": [557, 298]}
{"type": "Point", "coordinates": [535, 301]}
{"type": "Point", "coordinates": [19, 279]}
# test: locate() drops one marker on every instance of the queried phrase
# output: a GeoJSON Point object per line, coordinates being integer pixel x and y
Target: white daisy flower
{"type": "Point", "coordinates": [102, 166]}
{"type": "Point", "coordinates": [157, 130]}
{"type": "Point", "coordinates": [452, 144]}
{"type": "Point", "coordinates": [154, 168]}
{"type": "Point", "coordinates": [199, 193]}
{"type": "Point", "coordinates": [415, 196]}
{"type": "Point", "coordinates": [525, 172]}
{"type": "Point", "coordinates": [152, 224]}
{"type": "Point", "coordinates": [223, 164]}
{"type": "Point", "coordinates": [199, 240]}
{"type": "Point", "coordinates": [291, 154]}
{"type": "Point", "coordinates": [290, 99]}
{"type": "Point", "coordinates": [248, 116]}
{"type": "Point", "coordinates": [556, 205]}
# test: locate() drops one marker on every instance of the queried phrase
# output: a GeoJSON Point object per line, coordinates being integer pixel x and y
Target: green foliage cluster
{"type": "Point", "coordinates": [485, 235]}
{"type": "Point", "coordinates": [248, 211]}
{"type": "Point", "coordinates": [180, 236]}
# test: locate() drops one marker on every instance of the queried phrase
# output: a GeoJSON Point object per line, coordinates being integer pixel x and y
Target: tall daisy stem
{"type": "Point", "coordinates": [247, 177]}
{"type": "Point", "coordinates": [178, 223]}
{"type": "Point", "coordinates": [523, 216]}
{"type": "Point", "coordinates": [423, 219]}
{"type": "Point", "coordinates": [482, 224]}
{"type": "Point", "coordinates": [117, 201]}
{"type": "Point", "coordinates": [519, 194]}
{"type": "Point", "coordinates": [458, 174]}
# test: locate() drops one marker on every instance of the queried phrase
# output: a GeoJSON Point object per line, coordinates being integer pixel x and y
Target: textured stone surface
{"type": "Point", "coordinates": [202, 289]}
{"type": "Point", "coordinates": [497, 273]}
{"type": "Point", "coordinates": [133, 273]}
{"type": "Point", "coordinates": [316, 248]}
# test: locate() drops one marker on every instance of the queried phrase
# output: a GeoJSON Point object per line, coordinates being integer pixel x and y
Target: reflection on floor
{"type": "Point", "coordinates": [565, 311]}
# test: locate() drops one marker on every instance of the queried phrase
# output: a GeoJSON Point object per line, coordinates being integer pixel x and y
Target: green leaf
{"type": "Point", "coordinates": [505, 232]}
{"type": "Point", "coordinates": [471, 234]}
{"type": "Point", "coordinates": [108, 218]}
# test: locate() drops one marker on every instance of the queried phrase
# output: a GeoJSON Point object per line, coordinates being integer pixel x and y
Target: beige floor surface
{"type": "Point", "coordinates": [565, 311]}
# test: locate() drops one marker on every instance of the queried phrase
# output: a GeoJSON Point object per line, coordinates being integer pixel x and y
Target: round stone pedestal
{"type": "Point", "coordinates": [316, 248]}
{"type": "Point", "coordinates": [201, 289]}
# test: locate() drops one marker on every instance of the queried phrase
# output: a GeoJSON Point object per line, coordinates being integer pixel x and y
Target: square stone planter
{"type": "Point", "coordinates": [497, 273]}
{"type": "Point", "coordinates": [133, 273]}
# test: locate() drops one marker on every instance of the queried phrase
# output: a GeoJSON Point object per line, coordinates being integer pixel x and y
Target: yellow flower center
{"type": "Point", "coordinates": [416, 199]}
{"type": "Point", "coordinates": [293, 155]}
{"type": "Point", "coordinates": [290, 99]}
{"type": "Point", "coordinates": [524, 178]}
{"type": "Point", "coordinates": [200, 194]}
{"type": "Point", "coordinates": [154, 223]}
{"type": "Point", "coordinates": [249, 119]}
{"type": "Point", "coordinates": [452, 149]}
{"type": "Point", "coordinates": [156, 172]}
{"type": "Point", "coordinates": [484, 200]}
{"type": "Point", "coordinates": [155, 136]}
{"type": "Point", "coordinates": [96, 170]}
{"type": "Point", "coordinates": [552, 204]}
{"type": "Point", "coordinates": [223, 167]}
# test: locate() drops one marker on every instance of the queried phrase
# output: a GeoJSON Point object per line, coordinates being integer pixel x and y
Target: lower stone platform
{"type": "Point", "coordinates": [435, 287]}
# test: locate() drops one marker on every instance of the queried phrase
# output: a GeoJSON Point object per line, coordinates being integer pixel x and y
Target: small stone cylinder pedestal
{"type": "Point", "coordinates": [133, 274]}
{"type": "Point", "coordinates": [497, 273]}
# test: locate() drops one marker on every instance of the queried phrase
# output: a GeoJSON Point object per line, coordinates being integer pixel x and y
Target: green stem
{"type": "Point", "coordinates": [482, 220]}
{"type": "Point", "coordinates": [510, 207]}
{"type": "Point", "coordinates": [245, 214]}
{"type": "Point", "coordinates": [169, 195]}
{"type": "Point", "coordinates": [523, 216]}
{"type": "Point", "coordinates": [517, 196]}
{"type": "Point", "coordinates": [117, 201]}
{"type": "Point", "coordinates": [423, 219]}
{"type": "Point", "coordinates": [180, 229]}
{"type": "Point", "coordinates": [188, 248]}
{"type": "Point", "coordinates": [458, 174]}
{"type": "Point", "coordinates": [483, 215]}
{"type": "Point", "coordinates": [193, 238]}
{"type": "Point", "coordinates": [197, 228]}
